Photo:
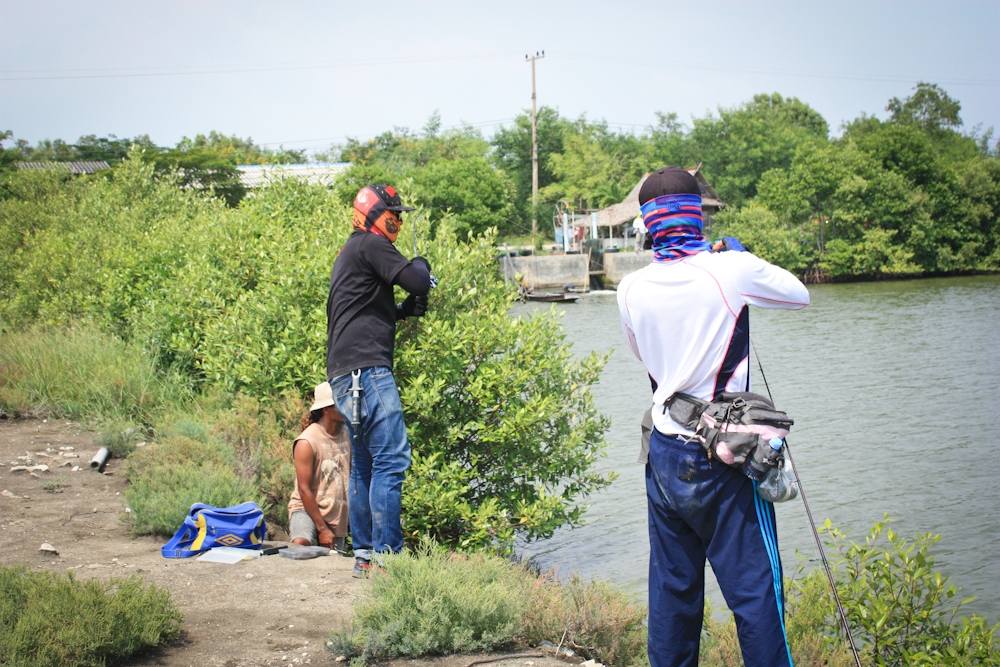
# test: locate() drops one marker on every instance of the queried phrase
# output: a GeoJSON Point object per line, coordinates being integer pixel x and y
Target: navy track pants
{"type": "Point", "coordinates": [702, 509]}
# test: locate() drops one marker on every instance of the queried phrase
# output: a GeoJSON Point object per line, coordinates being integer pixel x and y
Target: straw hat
{"type": "Point", "coordinates": [322, 397]}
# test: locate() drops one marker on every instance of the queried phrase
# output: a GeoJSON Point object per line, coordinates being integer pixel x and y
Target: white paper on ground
{"type": "Point", "coordinates": [228, 555]}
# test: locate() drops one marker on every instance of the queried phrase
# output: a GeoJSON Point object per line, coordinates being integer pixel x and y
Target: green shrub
{"type": "Point", "coordinates": [902, 611]}
{"type": "Point", "coordinates": [169, 476]}
{"type": "Point", "coordinates": [260, 436]}
{"type": "Point", "coordinates": [434, 602]}
{"type": "Point", "coordinates": [476, 193]}
{"type": "Point", "coordinates": [594, 619]}
{"type": "Point", "coordinates": [905, 611]}
{"type": "Point", "coordinates": [501, 415]}
{"type": "Point", "coordinates": [53, 619]}
{"type": "Point", "coordinates": [763, 233]}
{"type": "Point", "coordinates": [121, 437]}
{"type": "Point", "coordinates": [82, 373]}
{"type": "Point", "coordinates": [30, 201]}
{"type": "Point", "coordinates": [876, 254]}
{"type": "Point", "coordinates": [118, 239]}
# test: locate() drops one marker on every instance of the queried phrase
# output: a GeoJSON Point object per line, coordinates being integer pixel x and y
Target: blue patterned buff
{"type": "Point", "coordinates": [675, 223]}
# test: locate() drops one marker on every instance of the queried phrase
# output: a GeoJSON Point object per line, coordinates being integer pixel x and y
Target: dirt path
{"type": "Point", "coordinates": [269, 611]}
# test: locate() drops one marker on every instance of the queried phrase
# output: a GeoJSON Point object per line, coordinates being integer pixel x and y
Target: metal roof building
{"type": "Point", "coordinates": [76, 168]}
{"type": "Point", "coordinates": [321, 173]}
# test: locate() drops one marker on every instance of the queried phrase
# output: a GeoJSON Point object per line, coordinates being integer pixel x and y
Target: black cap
{"type": "Point", "coordinates": [390, 197]}
{"type": "Point", "coordinates": [668, 181]}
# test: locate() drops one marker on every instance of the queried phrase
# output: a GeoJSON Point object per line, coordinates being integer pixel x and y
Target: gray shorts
{"type": "Point", "coordinates": [300, 525]}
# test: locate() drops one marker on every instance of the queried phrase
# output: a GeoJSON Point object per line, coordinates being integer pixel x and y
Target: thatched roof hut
{"type": "Point", "coordinates": [625, 211]}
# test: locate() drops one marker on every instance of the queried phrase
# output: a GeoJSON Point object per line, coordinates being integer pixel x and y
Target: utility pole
{"type": "Point", "coordinates": [534, 148]}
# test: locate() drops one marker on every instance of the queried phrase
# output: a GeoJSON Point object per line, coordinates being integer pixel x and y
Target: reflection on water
{"type": "Point", "coordinates": [895, 389]}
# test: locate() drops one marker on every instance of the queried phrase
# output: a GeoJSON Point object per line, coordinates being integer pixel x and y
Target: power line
{"type": "Point", "coordinates": [54, 74]}
{"type": "Point", "coordinates": [344, 138]}
{"type": "Point", "coordinates": [126, 73]}
{"type": "Point", "coordinates": [854, 77]}
{"type": "Point", "coordinates": [873, 78]}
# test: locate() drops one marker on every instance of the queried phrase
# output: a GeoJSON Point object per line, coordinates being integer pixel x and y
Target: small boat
{"type": "Point", "coordinates": [552, 297]}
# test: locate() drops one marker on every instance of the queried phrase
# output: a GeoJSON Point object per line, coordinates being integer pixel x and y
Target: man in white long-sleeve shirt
{"type": "Point", "coordinates": [685, 316]}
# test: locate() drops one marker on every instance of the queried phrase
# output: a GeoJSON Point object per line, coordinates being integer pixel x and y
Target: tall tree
{"type": "Point", "coordinates": [512, 152]}
{"type": "Point", "coordinates": [7, 155]}
{"type": "Point", "coordinates": [401, 149]}
{"type": "Point", "coordinates": [596, 167]}
{"type": "Point", "coordinates": [237, 150]}
{"type": "Point", "coordinates": [201, 167]}
{"type": "Point", "coordinates": [111, 149]}
{"type": "Point", "coordinates": [929, 106]}
{"type": "Point", "coordinates": [670, 143]}
{"type": "Point", "coordinates": [473, 191]}
{"type": "Point", "coordinates": [739, 145]}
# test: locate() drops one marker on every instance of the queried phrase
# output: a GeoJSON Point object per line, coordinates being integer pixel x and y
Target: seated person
{"type": "Point", "coordinates": [317, 510]}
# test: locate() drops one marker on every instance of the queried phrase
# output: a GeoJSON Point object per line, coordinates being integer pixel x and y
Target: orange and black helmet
{"type": "Point", "coordinates": [377, 209]}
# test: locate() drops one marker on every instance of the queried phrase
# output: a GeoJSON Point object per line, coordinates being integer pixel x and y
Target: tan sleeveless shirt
{"type": "Point", "coordinates": [331, 472]}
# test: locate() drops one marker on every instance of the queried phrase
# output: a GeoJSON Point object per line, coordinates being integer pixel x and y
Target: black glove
{"type": "Point", "coordinates": [412, 306]}
{"type": "Point", "coordinates": [728, 243]}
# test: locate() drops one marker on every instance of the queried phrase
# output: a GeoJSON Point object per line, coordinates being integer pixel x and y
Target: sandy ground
{"type": "Point", "coordinates": [269, 611]}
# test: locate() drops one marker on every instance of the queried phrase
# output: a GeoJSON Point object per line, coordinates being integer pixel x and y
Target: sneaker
{"type": "Point", "coordinates": [341, 547]}
{"type": "Point", "coordinates": [362, 568]}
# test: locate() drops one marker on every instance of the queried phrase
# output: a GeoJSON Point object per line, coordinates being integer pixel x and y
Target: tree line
{"type": "Point", "coordinates": [915, 193]}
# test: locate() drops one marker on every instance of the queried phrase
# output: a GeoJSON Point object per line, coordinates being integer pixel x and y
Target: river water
{"type": "Point", "coordinates": [895, 389]}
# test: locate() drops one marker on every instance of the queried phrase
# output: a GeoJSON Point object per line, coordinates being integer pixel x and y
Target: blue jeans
{"type": "Point", "coordinates": [702, 509]}
{"type": "Point", "coordinates": [380, 455]}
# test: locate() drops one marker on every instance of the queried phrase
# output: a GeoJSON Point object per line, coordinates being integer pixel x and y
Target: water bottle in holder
{"type": "Point", "coordinates": [779, 482]}
{"type": "Point", "coordinates": [760, 461]}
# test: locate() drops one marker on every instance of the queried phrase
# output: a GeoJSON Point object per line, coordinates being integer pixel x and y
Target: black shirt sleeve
{"type": "Point", "coordinates": [415, 279]}
{"type": "Point", "coordinates": [384, 259]}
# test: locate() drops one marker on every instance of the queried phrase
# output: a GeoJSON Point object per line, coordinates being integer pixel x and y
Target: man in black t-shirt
{"type": "Point", "coordinates": [361, 329]}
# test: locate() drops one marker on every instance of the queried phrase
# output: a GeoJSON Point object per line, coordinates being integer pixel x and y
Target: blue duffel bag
{"type": "Point", "coordinates": [206, 527]}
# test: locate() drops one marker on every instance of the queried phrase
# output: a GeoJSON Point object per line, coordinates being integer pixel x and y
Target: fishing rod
{"type": "Point", "coordinates": [416, 242]}
{"type": "Point", "coordinates": [413, 226]}
{"type": "Point", "coordinates": [812, 524]}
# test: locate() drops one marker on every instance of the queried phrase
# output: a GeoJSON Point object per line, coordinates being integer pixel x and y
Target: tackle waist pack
{"type": "Point", "coordinates": [206, 527]}
{"type": "Point", "coordinates": [735, 427]}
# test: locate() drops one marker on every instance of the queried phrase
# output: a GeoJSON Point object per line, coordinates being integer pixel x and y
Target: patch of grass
{"type": "Point", "coordinates": [54, 487]}
{"type": "Point", "coordinates": [54, 619]}
{"type": "Point", "coordinates": [167, 477]}
{"type": "Point", "coordinates": [184, 425]}
{"type": "Point", "coordinates": [121, 437]}
{"type": "Point", "coordinates": [252, 438]}
{"type": "Point", "coordinates": [434, 602]}
{"type": "Point", "coordinates": [260, 435]}
{"type": "Point", "coordinates": [82, 373]}
{"type": "Point", "coordinates": [593, 618]}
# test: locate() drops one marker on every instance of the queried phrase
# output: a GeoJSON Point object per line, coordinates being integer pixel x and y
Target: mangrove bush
{"type": "Point", "coordinates": [501, 415]}
{"type": "Point", "coordinates": [51, 620]}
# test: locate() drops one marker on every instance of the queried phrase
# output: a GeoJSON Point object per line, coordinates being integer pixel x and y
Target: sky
{"type": "Point", "coordinates": [306, 75]}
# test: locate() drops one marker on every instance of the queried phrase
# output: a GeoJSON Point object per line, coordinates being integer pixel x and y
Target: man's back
{"type": "Point", "coordinates": [361, 312]}
{"type": "Point", "coordinates": [686, 320]}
